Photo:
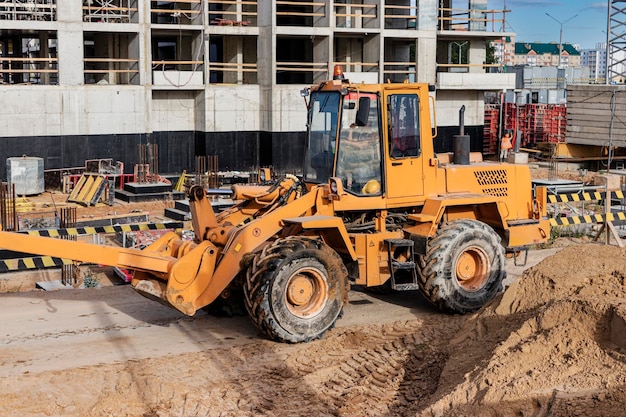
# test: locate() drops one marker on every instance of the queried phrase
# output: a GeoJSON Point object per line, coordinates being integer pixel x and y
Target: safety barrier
{"type": "Point", "coordinates": [34, 262]}
{"type": "Point", "coordinates": [93, 230]}
{"type": "Point", "coordinates": [585, 219]}
{"type": "Point", "coordinates": [600, 196]}
{"type": "Point", "coordinates": [40, 262]}
{"type": "Point", "coordinates": [584, 196]}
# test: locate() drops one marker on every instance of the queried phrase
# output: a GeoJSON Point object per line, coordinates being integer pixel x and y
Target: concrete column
{"type": "Point", "coordinates": [321, 21]}
{"type": "Point", "coordinates": [373, 22]}
{"type": "Point", "coordinates": [426, 15]}
{"type": "Point", "coordinates": [267, 40]}
{"type": "Point", "coordinates": [70, 42]}
{"type": "Point", "coordinates": [320, 55]}
{"type": "Point", "coordinates": [266, 62]}
{"type": "Point", "coordinates": [250, 56]}
{"type": "Point", "coordinates": [477, 55]}
{"type": "Point", "coordinates": [352, 50]}
{"type": "Point", "coordinates": [134, 46]}
{"type": "Point", "coordinates": [425, 52]}
{"type": "Point", "coordinates": [44, 51]}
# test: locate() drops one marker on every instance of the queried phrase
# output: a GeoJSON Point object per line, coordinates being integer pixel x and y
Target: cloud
{"type": "Point", "coordinates": [598, 6]}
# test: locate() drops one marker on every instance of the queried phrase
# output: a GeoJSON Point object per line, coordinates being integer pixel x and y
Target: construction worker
{"type": "Point", "coordinates": [505, 146]}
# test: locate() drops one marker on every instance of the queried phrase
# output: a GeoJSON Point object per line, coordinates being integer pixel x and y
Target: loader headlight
{"type": "Point", "coordinates": [264, 174]}
{"type": "Point", "coordinates": [333, 187]}
{"type": "Point", "coordinates": [336, 188]}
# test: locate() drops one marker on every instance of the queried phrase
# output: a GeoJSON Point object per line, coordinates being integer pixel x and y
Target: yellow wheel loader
{"type": "Point", "coordinates": [375, 206]}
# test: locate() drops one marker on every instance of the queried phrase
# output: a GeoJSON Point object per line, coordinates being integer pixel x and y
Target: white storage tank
{"type": "Point", "coordinates": [26, 173]}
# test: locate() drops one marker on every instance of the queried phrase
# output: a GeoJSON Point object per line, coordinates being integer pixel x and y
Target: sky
{"type": "Point", "coordinates": [529, 21]}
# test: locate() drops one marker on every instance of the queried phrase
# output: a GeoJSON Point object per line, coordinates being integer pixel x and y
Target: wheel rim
{"type": "Point", "coordinates": [307, 292]}
{"type": "Point", "coordinates": [472, 268]}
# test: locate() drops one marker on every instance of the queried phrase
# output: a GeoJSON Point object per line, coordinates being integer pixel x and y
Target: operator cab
{"type": "Point", "coordinates": [344, 140]}
{"type": "Point", "coordinates": [366, 137]}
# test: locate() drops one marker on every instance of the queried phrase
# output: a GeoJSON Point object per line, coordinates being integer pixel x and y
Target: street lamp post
{"type": "Point", "coordinates": [560, 33]}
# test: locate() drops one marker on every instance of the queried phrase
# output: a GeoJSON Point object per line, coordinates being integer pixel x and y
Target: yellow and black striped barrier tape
{"type": "Point", "coordinates": [584, 196]}
{"type": "Point", "coordinates": [34, 262]}
{"type": "Point", "coordinates": [93, 230]}
{"type": "Point", "coordinates": [40, 262]}
{"type": "Point", "coordinates": [592, 218]}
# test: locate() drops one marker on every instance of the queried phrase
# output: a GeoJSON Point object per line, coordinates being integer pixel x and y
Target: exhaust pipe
{"type": "Point", "coordinates": [461, 142]}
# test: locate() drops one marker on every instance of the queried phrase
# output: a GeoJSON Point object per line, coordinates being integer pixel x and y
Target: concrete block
{"type": "Point", "coordinates": [517, 158]}
{"type": "Point", "coordinates": [53, 285]}
{"type": "Point", "coordinates": [608, 181]}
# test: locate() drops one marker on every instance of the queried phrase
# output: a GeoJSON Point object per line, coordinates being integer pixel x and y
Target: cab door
{"type": "Point", "coordinates": [404, 163]}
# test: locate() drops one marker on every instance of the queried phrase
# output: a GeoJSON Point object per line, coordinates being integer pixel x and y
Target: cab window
{"type": "Point", "coordinates": [404, 129]}
{"type": "Point", "coordinates": [359, 152]}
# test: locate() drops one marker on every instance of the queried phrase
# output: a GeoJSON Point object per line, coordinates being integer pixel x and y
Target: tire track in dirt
{"type": "Point", "coordinates": [389, 369]}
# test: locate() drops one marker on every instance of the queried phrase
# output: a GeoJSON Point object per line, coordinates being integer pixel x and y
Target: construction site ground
{"type": "Point", "coordinates": [552, 344]}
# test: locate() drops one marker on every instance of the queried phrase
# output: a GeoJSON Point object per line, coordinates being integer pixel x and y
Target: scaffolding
{"type": "Point", "coordinates": [400, 16]}
{"type": "Point", "coordinates": [28, 10]}
{"type": "Point", "coordinates": [475, 18]}
{"type": "Point", "coordinates": [233, 12]}
{"type": "Point", "coordinates": [179, 12]}
{"type": "Point", "coordinates": [108, 11]}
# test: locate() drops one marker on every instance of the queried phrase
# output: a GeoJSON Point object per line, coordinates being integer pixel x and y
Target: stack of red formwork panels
{"type": "Point", "coordinates": [522, 124]}
{"type": "Point", "coordinates": [510, 119]}
{"type": "Point", "coordinates": [510, 116]}
{"type": "Point", "coordinates": [555, 122]}
{"type": "Point", "coordinates": [490, 129]}
{"type": "Point", "coordinates": [536, 122]}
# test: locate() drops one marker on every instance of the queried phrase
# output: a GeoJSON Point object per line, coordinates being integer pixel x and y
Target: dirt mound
{"type": "Point", "coordinates": [553, 343]}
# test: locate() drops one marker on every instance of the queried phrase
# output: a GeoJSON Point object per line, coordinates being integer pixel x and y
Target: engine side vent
{"type": "Point", "coordinates": [498, 192]}
{"type": "Point", "coordinates": [494, 182]}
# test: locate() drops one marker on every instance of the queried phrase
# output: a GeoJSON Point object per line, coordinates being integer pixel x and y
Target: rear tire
{"type": "Point", "coordinates": [295, 289]}
{"type": "Point", "coordinates": [463, 268]}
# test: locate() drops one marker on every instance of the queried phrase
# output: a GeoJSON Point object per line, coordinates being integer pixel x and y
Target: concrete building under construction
{"type": "Point", "coordinates": [84, 79]}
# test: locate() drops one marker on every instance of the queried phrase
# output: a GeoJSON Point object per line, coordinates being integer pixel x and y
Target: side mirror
{"type": "Point", "coordinates": [363, 112]}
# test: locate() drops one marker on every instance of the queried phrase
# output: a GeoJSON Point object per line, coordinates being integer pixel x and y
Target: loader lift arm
{"type": "Point", "coordinates": [158, 263]}
{"type": "Point", "coordinates": [184, 274]}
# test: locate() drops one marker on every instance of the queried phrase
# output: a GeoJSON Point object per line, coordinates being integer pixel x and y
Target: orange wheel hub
{"type": "Point", "coordinates": [472, 268]}
{"type": "Point", "coordinates": [307, 292]}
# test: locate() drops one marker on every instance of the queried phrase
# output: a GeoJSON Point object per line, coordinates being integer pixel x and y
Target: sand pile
{"type": "Point", "coordinates": [554, 343]}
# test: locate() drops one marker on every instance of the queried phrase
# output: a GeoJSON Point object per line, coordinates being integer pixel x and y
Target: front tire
{"type": "Point", "coordinates": [463, 268]}
{"type": "Point", "coordinates": [295, 289]}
